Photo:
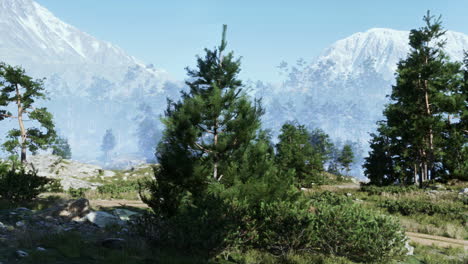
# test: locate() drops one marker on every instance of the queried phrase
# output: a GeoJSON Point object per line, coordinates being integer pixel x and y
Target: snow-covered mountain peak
{"type": "Point", "coordinates": [30, 29]}
{"type": "Point", "coordinates": [382, 47]}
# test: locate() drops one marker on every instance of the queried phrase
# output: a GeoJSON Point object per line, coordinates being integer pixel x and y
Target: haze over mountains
{"type": "Point", "coordinates": [94, 85]}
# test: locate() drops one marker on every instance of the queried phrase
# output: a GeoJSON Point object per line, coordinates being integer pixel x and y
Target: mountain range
{"type": "Point", "coordinates": [95, 85]}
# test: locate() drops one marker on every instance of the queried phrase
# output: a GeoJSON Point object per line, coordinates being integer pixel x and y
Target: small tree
{"type": "Point", "coordinates": [294, 151]}
{"type": "Point", "coordinates": [18, 88]}
{"type": "Point", "coordinates": [346, 157]}
{"type": "Point", "coordinates": [147, 132]}
{"type": "Point", "coordinates": [206, 132]}
{"type": "Point", "coordinates": [61, 148]}
{"type": "Point", "coordinates": [108, 143]}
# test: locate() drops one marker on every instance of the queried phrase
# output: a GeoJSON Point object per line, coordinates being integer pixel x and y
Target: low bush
{"type": "Point", "coordinates": [418, 206]}
{"type": "Point", "coordinates": [17, 184]}
{"type": "Point", "coordinates": [356, 233]}
{"type": "Point", "coordinates": [326, 224]}
{"type": "Point", "coordinates": [378, 190]}
{"type": "Point", "coordinates": [77, 193]}
{"type": "Point", "coordinates": [116, 188]}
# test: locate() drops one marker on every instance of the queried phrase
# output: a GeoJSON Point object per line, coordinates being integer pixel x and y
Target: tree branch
{"type": "Point", "coordinates": [202, 148]}
{"type": "Point", "coordinates": [8, 116]}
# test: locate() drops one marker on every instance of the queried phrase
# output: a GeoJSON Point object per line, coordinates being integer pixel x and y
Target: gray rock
{"type": "Point", "coordinates": [102, 219]}
{"type": "Point", "coordinates": [40, 249]}
{"type": "Point", "coordinates": [78, 208]}
{"type": "Point", "coordinates": [20, 224]}
{"type": "Point", "coordinates": [21, 254]}
{"type": "Point", "coordinates": [124, 214]}
{"type": "Point", "coordinates": [2, 226]}
{"type": "Point", "coordinates": [409, 248]}
{"type": "Point", "coordinates": [113, 243]}
{"type": "Point", "coordinates": [72, 174]}
{"type": "Point", "coordinates": [464, 191]}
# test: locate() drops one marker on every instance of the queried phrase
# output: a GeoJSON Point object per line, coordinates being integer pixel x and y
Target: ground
{"type": "Point", "coordinates": [57, 241]}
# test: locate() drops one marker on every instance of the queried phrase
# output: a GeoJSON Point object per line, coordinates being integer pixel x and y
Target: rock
{"type": "Point", "coordinates": [349, 194]}
{"type": "Point", "coordinates": [102, 219]}
{"type": "Point", "coordinates": [78, 208]}
{"type": "Point", "coordinates": [439, 187]}
{"type": "Point", "coordinates": [125, 178]}
{"type": "Point", "coordinates": [108, 173]}
{"type": "Point", "coordinates": [113, 243]}
{"type": "Point", "coordinates": [71, 173]}
{"type": "Point", "coordinates": [463, 191]}
{"type": "Point", "coordinates": [20, 224]}
{"type": "Point", "coordinates": [409, 248]}
{"type": "Point", "coordinates": [40, 249]}
{"type": "Point", "coordinates": [21, 254]}
{"type": "Point", "coordinates": [127, 174]}
{"type": "Point", "coordinates": [2, 226]}
{"type": "Point", "coordinates": [124, 214]}
{"type": "Point", "coordinates": [72, 210]}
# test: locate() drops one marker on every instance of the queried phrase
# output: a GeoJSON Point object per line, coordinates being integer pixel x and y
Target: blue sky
{"type": "Point", "coordinates": [170, 33]}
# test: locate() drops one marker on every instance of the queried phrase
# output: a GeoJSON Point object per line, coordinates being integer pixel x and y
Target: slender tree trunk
{"type": "Point", "coordinates": [415, 173]}
{"type": "Point", "coordinates": [215, 151]}
{"type": "Point", "coordinates": [430, 154]}
{"type": "Point", "coordinates": [21, 125]}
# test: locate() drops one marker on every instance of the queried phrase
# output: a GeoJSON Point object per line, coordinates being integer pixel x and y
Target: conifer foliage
{"type": "Point", "coordinates": [422, 127]}
{"type": "Point", "coordinates": [18, 88]}
{"type": "Point", "coordinates": [205, 130]}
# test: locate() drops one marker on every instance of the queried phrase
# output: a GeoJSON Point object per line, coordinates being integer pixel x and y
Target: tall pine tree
{"type": "Point", "coordinates": [18, 88]}
{"type": "Point", "coordinates": [423, 101]}
{"type": "Point", "coordinates": [206, 131]}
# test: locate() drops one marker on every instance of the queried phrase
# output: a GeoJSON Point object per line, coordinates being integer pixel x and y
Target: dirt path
{"type": "Point", "coordinates": [118, 203]}
{"type": "Point", "coordinates": [439, 241]}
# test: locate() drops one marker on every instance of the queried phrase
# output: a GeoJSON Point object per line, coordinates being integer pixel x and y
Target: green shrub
{"type": "Point", "coordinates": [329, 198]}
{"type": "Point", "coordinates": [54, 186]}
{"type": "Point", "coordinates": [77, 193]}
{"type": "Point", "coordinates": [413, 206]}
{"type": "Point", "coordinates": [356, 233]}
{"type": "Point", "coordinates": [18, 184]}
{"type": "Point", "coordinates": [116, 188]}
{"type": "Point", "coordinates": [378, 190]}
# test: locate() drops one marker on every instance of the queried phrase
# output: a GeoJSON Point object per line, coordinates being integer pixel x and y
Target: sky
{"type": "Point", "coordinates": [169, 34]}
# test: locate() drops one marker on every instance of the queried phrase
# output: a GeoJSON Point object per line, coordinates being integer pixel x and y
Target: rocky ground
{"type": "Point", "coordinates": [73, 174]}
{"type": "Point", "coordinates": [23, 227]}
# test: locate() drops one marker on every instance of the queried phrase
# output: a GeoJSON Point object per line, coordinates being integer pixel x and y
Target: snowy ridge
{"type": "Point", "coordinates": [385, 47]}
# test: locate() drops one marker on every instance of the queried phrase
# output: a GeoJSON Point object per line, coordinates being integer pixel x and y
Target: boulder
{"type": "Point", "coordinates": [102, 219]}
{"type": "Point", "coordinates": [409, 248]}
{"type": "Point", "coordinates": [124, 214]}
{"type": "Point", "coordinates": [464, 191]}
{"type": "Point", "coordinates": [21, 254]}
{"type": "Point", "coordinates": [72, 174]}
{"type": "Point", "coordinates": [75, 209]}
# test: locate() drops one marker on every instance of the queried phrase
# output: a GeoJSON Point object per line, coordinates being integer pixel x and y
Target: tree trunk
{"type": "Point", "coordinates": [430, 154]}
{"type": "Point", "coordinates": [215, 151]}
{"type": "Point", "coordinates": [415, 173]}
{"type": "Point", "coordinates": [21, 125]}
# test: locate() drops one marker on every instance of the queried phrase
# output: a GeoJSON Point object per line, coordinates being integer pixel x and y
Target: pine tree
{"type": "Point", "coordinates": [18, 88]}
{"type": "Point", "coordinates": [346, 157]}
{"type": "Point", "coordinates": [206, 131]}
{"type": "Point", "coordinates": [423, 101]}
{"type": "Point", "coordinates": [147, 132]}
{"type": "Point", "coordinates": [455, 132]}
{"type": "Point", "coordinates": [108, 143]}
{"type": "Point", "coordinates": [61, 148]}
{"type": "Point", "coordinates": [294, 151]}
